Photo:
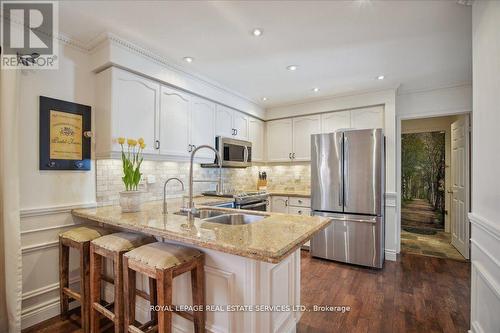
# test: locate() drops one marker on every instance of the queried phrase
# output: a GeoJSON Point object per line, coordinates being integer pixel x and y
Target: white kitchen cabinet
{"type": "Point", "coordinates": [279, 140]}
{"type": "Point", "coordinates": [231, 123]}
{"type": "Point", "coordinates": [174, 139]}
{"type": "Point", "coordinates": [330, 122]}
{"type": "Point", "coordinates": [367, 118]}
{"type": "Point", "coordinates": [279, 204]}
{"type": "Point", "coordinates": [256, 136]}
{"type": "Point", "coordinates": [240, 125]}
{"type": "Point", "coordinates": [224, 121]}
{"type": "Point", "coordinates": [127, 106]}
{"type": "Point", "coordinates": [303, 128]}
{"type": "Point", "coordinates": [202, 128]}
{"type": "Point", "coordinates": [299, 211]}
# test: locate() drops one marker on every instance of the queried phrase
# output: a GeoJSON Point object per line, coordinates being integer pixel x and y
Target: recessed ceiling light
{"type": "Point", "coordinates": [257, 32]}
{"type": "Point", "coordinates": [316, 89]}
{"type": "Point", "coordinates": [264, 99]}
{"type": "Point", "coordinates": [292, 67]}
{"type": "Point", "coordinates": [380, 77]}
{"type": "Point", "coordinates": [188, 59]}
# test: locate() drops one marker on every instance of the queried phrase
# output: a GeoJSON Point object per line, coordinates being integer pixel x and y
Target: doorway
{"type": "Point", "coordinates": [435, 198]}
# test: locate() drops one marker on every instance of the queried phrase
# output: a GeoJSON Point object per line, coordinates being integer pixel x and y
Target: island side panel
{"type": "Point", "coordinates": [235, 280]}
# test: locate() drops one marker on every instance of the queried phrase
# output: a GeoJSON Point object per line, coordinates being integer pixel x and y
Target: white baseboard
{"type": "Point", "coordinates": [390, 255]}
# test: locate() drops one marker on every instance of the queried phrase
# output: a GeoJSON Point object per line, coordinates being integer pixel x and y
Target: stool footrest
{"type": "Point", "coordinates": [72, 294]}
{"type": "Point", "coordinates": [104, 310]}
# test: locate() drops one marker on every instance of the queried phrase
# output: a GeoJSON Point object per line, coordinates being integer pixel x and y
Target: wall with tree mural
{"type": "Point", "coordinates": [423, 168]}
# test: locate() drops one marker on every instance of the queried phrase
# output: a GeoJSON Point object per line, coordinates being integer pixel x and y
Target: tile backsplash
{"type": "Point", "coordinates": [289, 177]}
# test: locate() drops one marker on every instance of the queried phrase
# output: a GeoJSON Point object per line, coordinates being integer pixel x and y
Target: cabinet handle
{"type": "Point", "coordinates": [236, 131]}
{"type": "Point", "coordinates": [293, 156]}
{"type": "Point", "coordinates": [300, 201]}
{"type": "Point", "coordinates": [232, 131]}
{"type": "Point", "coordinates": [290, 155]}
{"type": "Point", "coordinates": [300, 212]}
{"type": "Point", "coordinates": [157, 144]}
{"type": "Point", "coordinates": [286, 203]}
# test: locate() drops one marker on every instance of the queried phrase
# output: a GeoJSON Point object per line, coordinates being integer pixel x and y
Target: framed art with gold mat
{"type": "Point", "coordinates": [65, 135]}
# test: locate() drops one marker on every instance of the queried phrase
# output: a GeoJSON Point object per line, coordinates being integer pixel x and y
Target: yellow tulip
{"type": "Point", "coordinates": [143, 145]}
{"type": "Point", "coordinates": [131, 142]}
{"type": "Point", "coordinates": [121, 140]}
{"type": "Point", "coordinates": [140, 141]}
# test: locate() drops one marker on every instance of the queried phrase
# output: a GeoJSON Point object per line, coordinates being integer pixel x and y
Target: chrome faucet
{"type": "Point", "coordinates": [165, 192]}
{"type": "Point", "coordinates": [190, 209]}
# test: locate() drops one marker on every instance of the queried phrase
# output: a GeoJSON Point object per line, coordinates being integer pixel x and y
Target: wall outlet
{"type": "Point", "coordinates": [151, 179]}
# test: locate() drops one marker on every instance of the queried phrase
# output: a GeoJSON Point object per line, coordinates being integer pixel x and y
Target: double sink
{"type": "Point", "coordinates": [221, 217]}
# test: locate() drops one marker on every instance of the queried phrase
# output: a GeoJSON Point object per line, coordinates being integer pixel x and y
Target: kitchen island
{"type": "Point", "coordinates": [254, 265]}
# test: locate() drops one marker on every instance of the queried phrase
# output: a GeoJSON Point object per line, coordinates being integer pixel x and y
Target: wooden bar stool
{"type": "Point", "coordinates": [113, 247]}
{"type": "Point", "coordinates": [78, 239]}
{"type": "Point", "coordinates": [163, 262]}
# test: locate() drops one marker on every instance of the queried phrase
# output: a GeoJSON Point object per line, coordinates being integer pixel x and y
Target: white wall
{"type": "Point", "coordinates": [387, 98]}
{"type": "Point", "coordinates": [435, 102]}
{"type": "Point", "coordinates": [46, 197]}
{"type": "Point", "coordinates": [485, 216]}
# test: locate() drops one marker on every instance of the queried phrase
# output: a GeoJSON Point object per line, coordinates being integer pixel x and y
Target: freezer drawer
{"type": "Point", "coordinates": [351, 239]}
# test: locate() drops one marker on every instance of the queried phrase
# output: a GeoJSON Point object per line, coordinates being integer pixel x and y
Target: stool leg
{"type": "Point", "coordinates": [85, 285]}
{"type": "Point", "coordinates": [118, 268]}
{"type": "Point", "coordinates": [164, 294]}
{"type": "Point", "coordinates": [95, 289]}
{"type": "Point", "coordinates": [63, 278]}
{"type": "Point", "coordinates": [129, 294]}
{"type": "Point", "coordinates": [198, 291]}
{"type": "Point", "coordinates": [152, 298]}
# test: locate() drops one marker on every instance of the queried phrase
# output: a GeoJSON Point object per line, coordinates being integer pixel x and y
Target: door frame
{"type": "Point", "coordinates": [423, 115]}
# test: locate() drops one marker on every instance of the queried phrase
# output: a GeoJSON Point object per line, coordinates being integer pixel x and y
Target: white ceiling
{"type": "Point", "coordinates": [339, 46]}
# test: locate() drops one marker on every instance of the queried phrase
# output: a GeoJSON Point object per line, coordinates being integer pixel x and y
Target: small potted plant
{"type": "Point", "coordinates": [130, 199]}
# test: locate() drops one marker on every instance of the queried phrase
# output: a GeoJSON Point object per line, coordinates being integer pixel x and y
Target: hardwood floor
{"type": "Point", "coordinates": [414, 294]}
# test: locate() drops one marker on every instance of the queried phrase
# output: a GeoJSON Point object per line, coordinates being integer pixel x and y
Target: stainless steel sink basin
{"type": "Point", "coordinates": [235, 219]}
{"type": "Point", "coordinates": [203, 213]}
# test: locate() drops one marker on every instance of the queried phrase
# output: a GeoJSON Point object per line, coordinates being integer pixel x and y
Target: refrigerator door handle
{"type": "Point", "coordinates": [346, 171]}
{"type": "Point", "coordinates": [341, 187]}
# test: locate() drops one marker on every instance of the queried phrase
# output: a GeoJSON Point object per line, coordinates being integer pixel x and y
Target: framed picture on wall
{"type": "Point", "coordinates": [65, 135]}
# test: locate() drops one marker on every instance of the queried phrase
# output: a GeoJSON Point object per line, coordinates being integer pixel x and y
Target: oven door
{"type": "Point", "coordinates": [260, 206]}
{"type": "Point", "coordinates": [234, 153]}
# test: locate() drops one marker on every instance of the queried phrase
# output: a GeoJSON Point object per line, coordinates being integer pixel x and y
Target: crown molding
{"type": "Point", "coordinates": [390, 89]}
{"type": "Point", "coordinates": [439, 87]}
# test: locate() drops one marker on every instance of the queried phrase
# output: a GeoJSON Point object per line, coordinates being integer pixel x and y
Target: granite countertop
{"type": "Point", "coordinates": [271, 239]}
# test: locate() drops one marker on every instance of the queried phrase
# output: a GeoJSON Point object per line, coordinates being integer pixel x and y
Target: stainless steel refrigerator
{"type": "Point", "coordinates": [347, 184]}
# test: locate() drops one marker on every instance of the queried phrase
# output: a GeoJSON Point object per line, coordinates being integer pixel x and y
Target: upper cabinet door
{"type": "Point", "coordinates": [368, 118]}
{"type": "Point", "coordinates": [303, 127]}
{"type": "Point", "coordinates": [135, 107]}
{"type": "Point", "coordinates": [279, 140]}
{"type": "Point", "coordinates": [224, 121]}
{"type": "Point", "coordinates": [256, 136]}
{"type": "Point", "coordinates": [240, 124]}
{"type": "Point", "coordinates": [203, 126]}
{"type": "Point", "coordinates": [330, 122]}
{"type": "Point", "coordinates": [174, 122]}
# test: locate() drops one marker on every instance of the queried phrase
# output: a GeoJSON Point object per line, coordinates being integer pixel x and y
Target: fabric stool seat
{"type": "Point", "coordinates": [121, 241]}
{"type": "Point", "coordinates": [163, 255]}
{"type": "Point", "coordinates": [84, 234]}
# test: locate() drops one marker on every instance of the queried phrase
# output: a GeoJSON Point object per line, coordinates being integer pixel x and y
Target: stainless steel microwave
{"type": "Point", "coordinates": [234, 153]}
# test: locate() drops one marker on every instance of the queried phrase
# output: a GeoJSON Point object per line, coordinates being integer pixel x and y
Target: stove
{"type": "Point", "coordinates": [254, 200]}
